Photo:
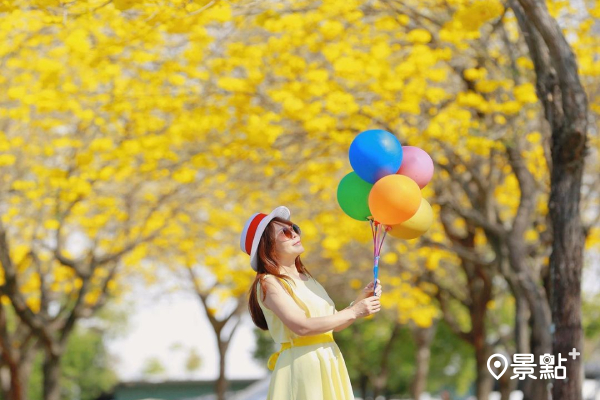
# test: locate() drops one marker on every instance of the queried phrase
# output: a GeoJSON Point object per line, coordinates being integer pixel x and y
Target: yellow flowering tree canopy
{"type": "Point", "coordinates": [104, 95]}
{"type": "Point", "coordinates": [140, 134]}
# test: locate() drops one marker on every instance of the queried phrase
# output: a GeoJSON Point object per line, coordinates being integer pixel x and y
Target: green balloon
{"type": "Point", "coordinates": [353, 196]}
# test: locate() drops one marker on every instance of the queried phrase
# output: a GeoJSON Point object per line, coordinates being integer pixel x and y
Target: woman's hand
{"type": "Point", "coordinates": [366, 307]}
{"type": "Point", "coordinates": [368, 291]}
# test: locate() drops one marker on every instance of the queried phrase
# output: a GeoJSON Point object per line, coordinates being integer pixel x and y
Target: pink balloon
{"type": "Point", "coordinates": [417, 165]}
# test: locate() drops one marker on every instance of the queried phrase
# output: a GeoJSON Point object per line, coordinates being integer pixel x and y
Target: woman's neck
{"type": "Point", "coordinates": [290, 270]}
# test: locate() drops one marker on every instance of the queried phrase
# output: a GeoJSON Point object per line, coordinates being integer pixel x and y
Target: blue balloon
{"type": "Point", "coordinates": [374, 154]}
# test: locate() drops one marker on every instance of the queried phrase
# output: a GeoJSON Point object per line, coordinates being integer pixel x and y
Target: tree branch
{"type": "Point", "coordinates": [11, 289]}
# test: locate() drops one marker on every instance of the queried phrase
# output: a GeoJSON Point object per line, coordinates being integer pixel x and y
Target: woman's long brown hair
{"type": "Point", "coordinates": [267, 264]}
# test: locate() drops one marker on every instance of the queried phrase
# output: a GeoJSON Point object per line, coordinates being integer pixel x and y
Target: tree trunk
{"type": "Point", "coordinates": [222, 384]}
{"type": "Point", "coordinates": [218, 326]}
{"type": "Point", "coordinates": [478, 309]}
{"type": "Point", "coordinates": [565, 105]}
{"type": "Point", "coordinates": [540, 341]}
{"type": "Point", "coordinates": [507, 385]}
{"type": "Point", "coordinates": [13, 386]}
{"type": "Point", "coordinates": [538, 389]}
{"type": "Point", "coordinates": [484, 381]}
{"type": "Point", "coordinates": [527, 278]}
{"type": "Point", "coordinates": [565, 264]}
{"type": "Point", "coordinates": [16, 368]}
{"type": "Point", "coordinates": [15, 379]}
{"type": "Point", "coordinates": [521, 327]}
{"type": "Point", "coordinates": [423, 338]}
{"type": "Point", "coordinates": [380, 381]}
{"type": "Point", "coordinates": [4, 381]}
{"type": "Point", "coordinates": [51, 370]}
{"type": "Point", "coordinates": [363, 382]}
{"type": "Point", "coordinates": [10, 382]}
{"type": "Point", "coordinates": [25, 367]}
{"type": "Point", "coordinates": [523, 335]}
{"type": "Point", "coordinates": [378, 386]}
{"type": "Point", "coordinates": [479, 285]}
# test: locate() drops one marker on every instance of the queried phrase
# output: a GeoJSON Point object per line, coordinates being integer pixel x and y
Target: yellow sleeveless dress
{"type": "Point", "coordinates": [313, 372]}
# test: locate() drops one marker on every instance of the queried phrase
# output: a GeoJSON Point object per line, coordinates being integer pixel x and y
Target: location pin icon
{"type": "Point", "coordinates": [497, 364]}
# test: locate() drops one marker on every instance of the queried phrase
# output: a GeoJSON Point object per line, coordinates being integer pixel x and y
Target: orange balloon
{"type": "Point", "coordinates": [394, 199]}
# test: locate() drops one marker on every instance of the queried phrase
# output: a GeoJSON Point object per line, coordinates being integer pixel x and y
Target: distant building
{"type": "Point", "coordinates": [173, 390]}
{"type": "Point", "coordinates": [257, 389]}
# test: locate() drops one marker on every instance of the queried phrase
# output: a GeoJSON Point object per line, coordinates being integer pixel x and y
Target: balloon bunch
{"type": "Point", "coordinates": [385, 188]}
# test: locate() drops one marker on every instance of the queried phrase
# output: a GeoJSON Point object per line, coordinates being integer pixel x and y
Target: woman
{"type": "Point", "coordinates": [299, 314]}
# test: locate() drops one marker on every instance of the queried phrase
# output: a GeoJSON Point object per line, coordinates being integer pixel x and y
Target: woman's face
{"type": "Point", "coordinates": [287, 241]}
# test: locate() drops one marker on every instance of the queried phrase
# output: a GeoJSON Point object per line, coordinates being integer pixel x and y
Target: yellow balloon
{"type": "Point", "coordinates": [394, 199]}
{"type": "Point", "coordinates": [417, 225]}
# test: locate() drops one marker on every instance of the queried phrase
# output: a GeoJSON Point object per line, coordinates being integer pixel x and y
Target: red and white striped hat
{"type": "Point", "coordinates": [253, 230]}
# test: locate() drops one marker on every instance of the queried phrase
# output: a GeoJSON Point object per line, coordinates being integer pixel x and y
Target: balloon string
{"type": "Point", "coordinates": [382, 239]}
{"type": "Point", "coordinates": [374, 230]}
{"type": "Point", "coordinates": [380, 234]}
{"type": "Point", "coordinates": [374, 241]}
{"type": "Point", "coordinates": [375, 273]}
{"type": "Point", "coordinates": [378, 237]}
{"type": "Point", "coordinates": [378, 240]}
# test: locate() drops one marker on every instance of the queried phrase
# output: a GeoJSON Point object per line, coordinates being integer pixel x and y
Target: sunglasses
{"type": "Point", "coordinates": [289, 232]}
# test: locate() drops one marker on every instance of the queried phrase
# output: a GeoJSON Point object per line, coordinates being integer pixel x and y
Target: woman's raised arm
{"type": "Point", "coordinates": [281, 303]}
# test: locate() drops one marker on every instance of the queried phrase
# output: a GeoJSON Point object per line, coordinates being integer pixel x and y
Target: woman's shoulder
{"type": "Point", "coordinates": [269, 279]}
{"type": "Point", "coordinates": [275, 280]}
